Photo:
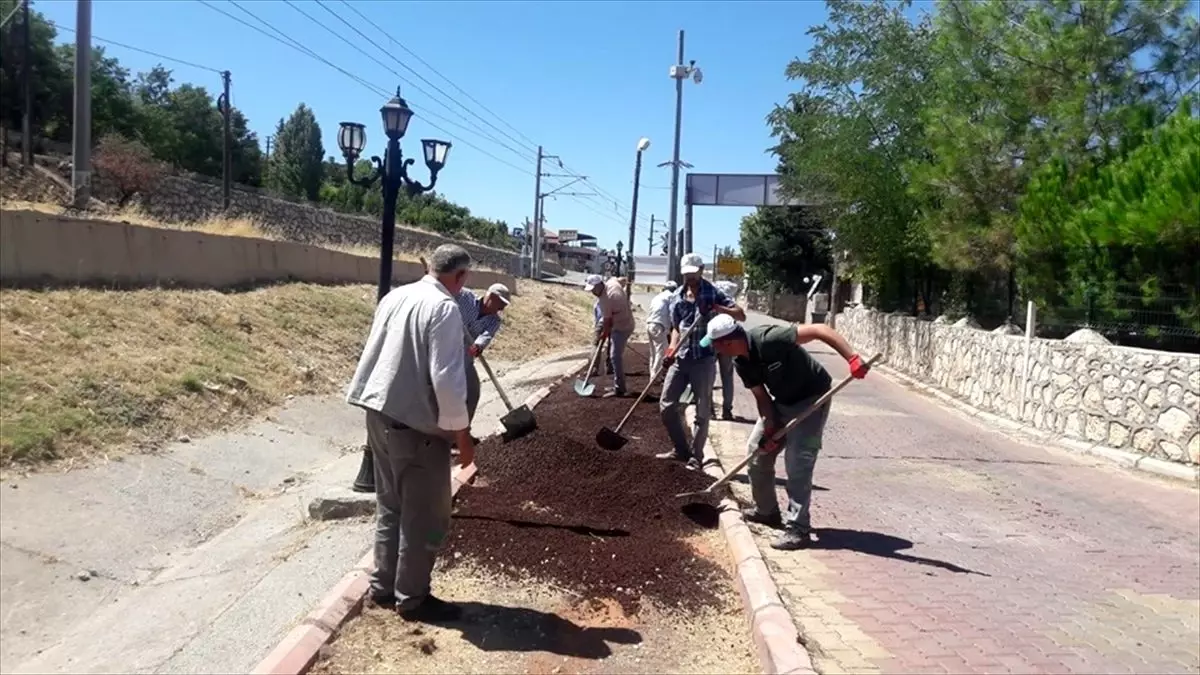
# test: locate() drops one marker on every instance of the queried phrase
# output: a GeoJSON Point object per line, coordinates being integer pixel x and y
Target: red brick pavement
{"type": "Point", "coordinates": [944, 546]}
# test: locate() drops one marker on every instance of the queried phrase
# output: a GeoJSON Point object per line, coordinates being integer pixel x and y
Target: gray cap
{"type": "Point", "coordinates": [500, 291]}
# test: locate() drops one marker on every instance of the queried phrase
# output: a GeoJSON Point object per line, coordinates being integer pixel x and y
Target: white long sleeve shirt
{"type": "Point", "coordinates": [412, 368]}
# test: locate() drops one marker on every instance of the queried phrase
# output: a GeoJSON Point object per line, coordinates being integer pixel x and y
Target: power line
{"type": "Point", "coordinates": [156, 55]}
{"type": "Point", "coordinates": [425, 63]}
{"type": "Point", "coordinates": [293, 44]}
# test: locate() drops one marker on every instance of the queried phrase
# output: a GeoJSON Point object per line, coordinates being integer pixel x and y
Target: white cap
{"type": "Point", "coordinates": [670, 286]}
{"type": "Point", "coordinates": [719, 326]}
{"type": "Point", "coordinates": [592, 281]}
{"type": "Point", "coordinates": [690, 263]}
{"type": "Point", "coordinates": [500, 291]}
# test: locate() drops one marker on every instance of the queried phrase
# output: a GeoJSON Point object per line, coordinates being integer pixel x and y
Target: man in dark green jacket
{"type": "Point", "coordinates": [785, 380]}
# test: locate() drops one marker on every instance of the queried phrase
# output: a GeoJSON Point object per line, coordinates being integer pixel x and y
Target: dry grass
{"type": "Point", "coordinates": [85, 373]}
{"type": "Point", "coordinates": [230, 227]}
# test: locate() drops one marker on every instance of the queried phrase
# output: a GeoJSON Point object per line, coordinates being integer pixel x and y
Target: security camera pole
{"type": "Point", "coordinates": [679, 73]}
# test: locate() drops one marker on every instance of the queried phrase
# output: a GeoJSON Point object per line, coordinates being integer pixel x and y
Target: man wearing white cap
{"type": "Point", "coordinates": [658, 324]}
{"type": "Point", "coordinates": [481, 319]}
{"type": "Point", "coordinates": [785, 380]}
{"type": "Point", "coordinates": [689, 363]}
{"type": "Point", "coordinates": [616, 325]}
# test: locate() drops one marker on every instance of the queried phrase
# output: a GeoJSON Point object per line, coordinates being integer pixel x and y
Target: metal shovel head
{"type": "Point", "coordinates": [609, 439]}
{"type": "Point", "coordinates": [584, 388]}
{"type": "Point", "coordinates": [518, 422]}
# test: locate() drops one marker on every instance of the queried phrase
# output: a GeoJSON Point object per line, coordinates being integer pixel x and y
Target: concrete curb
{"type": "Point", "coordinates": [298, 650]}
{"type": "Point", "coordinates": [776, 637]}
{"type": "Point", "coordinates": [1122, 458]}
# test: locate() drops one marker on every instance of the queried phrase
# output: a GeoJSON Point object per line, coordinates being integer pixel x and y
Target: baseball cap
{"type": "Point", "coordinates": [670, 286]}
{"type": "Point", "coordinates": [721, 326]}
{"type": "Point", "coordinates": [500, 291]}
{"type": "Point", "coordinates": [592, 281]}
{"type": "Point", "coordinates": [690, 263]}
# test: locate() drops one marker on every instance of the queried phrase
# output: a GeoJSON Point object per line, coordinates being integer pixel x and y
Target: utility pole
{"type": "Point", "coordinates": [679, 72]}
{"type": "Point", "coordinates": [650, 239]}
{"type": "Point", "coordinates": [26, 91]}
{"type": "Point", "coordinates": [226, 158]}
{"type": "Point", "coordinates": [269, 139]}
{"type": "Point", "coordinates": [714, 263]}
{"type": "Point", "coordinates": [535, 263]}
{"type": "Point", "coordinates": [81, 142]}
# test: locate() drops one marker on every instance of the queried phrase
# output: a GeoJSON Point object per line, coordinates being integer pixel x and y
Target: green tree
{"type": "Point", "coordinates": [845, 137]}
{"type": "Point", "coordinates": [297, 162]}
{"type": "Point", "coordinates": [783, 245]}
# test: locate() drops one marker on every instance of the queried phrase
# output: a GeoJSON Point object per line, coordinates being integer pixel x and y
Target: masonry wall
{"type": "Point", "coordinates": [1134, 399]}
{"type": "Point", "coordinates": [784, 306]}
{"type": "Point", "coordinates": [38, 248]}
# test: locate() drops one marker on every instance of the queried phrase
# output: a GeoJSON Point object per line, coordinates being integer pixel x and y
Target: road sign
{"type": "Point", "coordinates": [567, 235]}
{"type": "Point", "coordinates": [730, 267]}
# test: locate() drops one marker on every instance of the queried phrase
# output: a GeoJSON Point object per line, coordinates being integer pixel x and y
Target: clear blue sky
{"type": "Point", "coordinates": [584, 79]}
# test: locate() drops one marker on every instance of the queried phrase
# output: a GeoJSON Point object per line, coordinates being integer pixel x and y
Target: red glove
{"type": "Point", "coordinates": [858, 368]}
{"type": "Point", "coordinates": [768, 443]}
{"type": "Point", "coordinates": [668, 357]}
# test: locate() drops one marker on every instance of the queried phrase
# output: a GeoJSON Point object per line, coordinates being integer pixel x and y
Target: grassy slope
{"type": "Point", "coordinates": [86, 373]}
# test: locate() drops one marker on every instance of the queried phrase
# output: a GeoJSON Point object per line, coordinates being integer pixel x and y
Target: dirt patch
{"type": "Point", "coordinates": [600, 523]}
{"type": "Point", "coordinates": [90, 373]}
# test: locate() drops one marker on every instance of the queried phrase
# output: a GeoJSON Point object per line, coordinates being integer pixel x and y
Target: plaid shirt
{"type": "Point", "coordinates": [480, 328]}
{"type": "Point", "coordinates": [683, 315]}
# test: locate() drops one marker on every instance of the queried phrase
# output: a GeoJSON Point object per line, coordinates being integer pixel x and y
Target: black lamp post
{"type": "Point", "coordinates": [393, 170]}
{"type": "Point", "coordinates": [619, 257]}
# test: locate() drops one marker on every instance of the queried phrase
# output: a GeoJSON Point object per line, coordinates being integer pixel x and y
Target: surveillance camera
{"type": "Point", "coordinates": [643, 144]}
{"type": "Point", "coordinates": [697, 76]}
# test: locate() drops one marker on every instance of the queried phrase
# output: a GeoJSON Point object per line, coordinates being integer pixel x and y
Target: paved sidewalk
{"type": "Point", "coordinates": [948, 547]}
{"type": "Point", "coordinates": [199, 559]}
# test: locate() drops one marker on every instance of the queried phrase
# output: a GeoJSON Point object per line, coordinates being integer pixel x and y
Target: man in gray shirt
{"type": "Point", "coordinates": [411, 380]}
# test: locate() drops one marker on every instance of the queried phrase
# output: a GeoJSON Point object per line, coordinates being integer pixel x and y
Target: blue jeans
{"type": "Point", "coordinates": [616, 357]}
{"type": "Point", "coordinates": [699, 373]}
{"type": "Point", "coordinates": [799, 457]}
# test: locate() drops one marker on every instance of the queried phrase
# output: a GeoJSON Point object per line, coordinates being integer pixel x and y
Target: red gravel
{"type": "Point", "coordinates": [554, 506]}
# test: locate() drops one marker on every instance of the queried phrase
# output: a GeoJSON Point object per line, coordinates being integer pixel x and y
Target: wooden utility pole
{"type": "Point", "coordinates": [227, 154]}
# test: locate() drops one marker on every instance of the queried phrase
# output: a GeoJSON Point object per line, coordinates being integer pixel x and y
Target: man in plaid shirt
{"type": "Point", "coordinates": [691, 363]}
{"type": "Point", "coordinates": [481, 321]}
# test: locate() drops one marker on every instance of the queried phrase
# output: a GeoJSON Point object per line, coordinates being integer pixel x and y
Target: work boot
{"type": "Point", "coordinates": [432, 610]}
{"type": "Point", "coordinates": [791, 540]}
{"type": "Point", "coordinates": [752, 515]}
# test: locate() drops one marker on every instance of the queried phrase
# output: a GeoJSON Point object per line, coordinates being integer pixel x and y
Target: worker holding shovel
{"type": "Point", "coordinates": [689, 362]}
{"type": "Point", "coordinates": [785, 380]}
{"type": "Point", "coordinates": [481, 318]}
{"type": "Point", "coordinates": [616, 325]}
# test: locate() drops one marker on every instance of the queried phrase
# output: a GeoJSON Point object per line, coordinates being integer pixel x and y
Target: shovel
{"type": "Point", "coordinates": [778, 435]}
{"type": "Point", "coordinates": [611, 439]}
{"type": "Point", "coordinates": [519, 421]}
{"type": "Point", "coordinates": [585, 387]}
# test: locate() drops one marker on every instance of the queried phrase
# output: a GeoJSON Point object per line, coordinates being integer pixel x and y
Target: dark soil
{"type": "Point", "coordinates": [555, 506]}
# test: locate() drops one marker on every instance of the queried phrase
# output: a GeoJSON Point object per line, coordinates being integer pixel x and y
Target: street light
{"type": "Point", "coordinates": [392, 173]}
{"type": "Point", "coordinates": [642, 145]}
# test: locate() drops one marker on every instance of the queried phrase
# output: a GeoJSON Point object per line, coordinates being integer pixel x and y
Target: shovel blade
{"type": "Point", "coordinates": [609, 439]}
{"type": "Point", "coordinates": [518, 422]}
{"type": "Point", "coordinates": [584, 388]}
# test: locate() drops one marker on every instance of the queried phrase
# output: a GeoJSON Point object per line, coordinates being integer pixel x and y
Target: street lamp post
{"type": "Point", "coordinates": [619, 260]}
{"type": "Point", "coordinates": [642, 145]}
{"type": "Point", "coordinates": [392, 174]}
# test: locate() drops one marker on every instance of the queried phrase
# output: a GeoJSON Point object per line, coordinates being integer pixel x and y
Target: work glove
{"type": "Point", "coordinates": [767, 444]}
{"type": "Point", "coordinates": [858, 367]}
{"type": "Point", "coordinates": [668, 358]}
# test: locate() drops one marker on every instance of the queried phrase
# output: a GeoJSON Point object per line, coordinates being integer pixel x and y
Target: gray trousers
{"type": "Point", "coordinates": [616, 357]}
{"type": "Point", "coordinates": [799, 457]}
{"type": "Point", "coordinates": [725, 366]}
{"type": "Point", "coordinates": [473, 387]}
{"type": "Point", "coordinates": [412, 508]}
{"type": "Point", "coordinates": [699, 373]}
{"type": "Point", "coordinates": [602, 357]}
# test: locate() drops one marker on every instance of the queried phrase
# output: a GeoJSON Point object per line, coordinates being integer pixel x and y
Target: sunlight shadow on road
{"type": "Point", "coordinates": [497, 628]}
{"type": "Point", "coordinates": [881, 545]}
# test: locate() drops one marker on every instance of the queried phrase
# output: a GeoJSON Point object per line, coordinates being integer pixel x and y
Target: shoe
{"type": "Point", "coordinates": [384, 601]}
{"type": "Point", "coordinates": [670, 454]}
{"type": "Point", "coordinates": [791, 540]}
{"type": "Point", "coordinates": [614, 393]}
{"type": "Point", "coordinates": [753, 515]}
{"type": "Point", "coordinates": [727, 415]}
{"type": "Point", "coordinates": [693, 464]}
{"type": "Point", "coordinates": [432, 610]}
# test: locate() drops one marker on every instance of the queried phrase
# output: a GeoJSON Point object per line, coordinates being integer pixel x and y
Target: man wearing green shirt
{"type": "Point", "coordinates": [785, 380]}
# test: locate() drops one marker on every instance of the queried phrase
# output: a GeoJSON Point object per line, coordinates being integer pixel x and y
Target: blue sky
{"type": "Point", "coordinates": [584, 79]}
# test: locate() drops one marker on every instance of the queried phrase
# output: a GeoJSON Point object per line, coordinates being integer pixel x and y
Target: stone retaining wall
{"type": "Point", "coordinates": [184, 200]}
{"type": "Point", "coordinates": [1132, 399]}
{"type": "Point", "coordinates": [784, 306]}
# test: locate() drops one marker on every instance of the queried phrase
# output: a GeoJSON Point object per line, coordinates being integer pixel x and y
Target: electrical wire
{"type": "Point", "coordinates": [156, 55]}
{"type": "Point", "coordinates": [293, 44]}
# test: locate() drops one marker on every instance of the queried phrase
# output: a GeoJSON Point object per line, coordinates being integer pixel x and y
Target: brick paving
{"type": "Point", "coordinates": [944, 546]}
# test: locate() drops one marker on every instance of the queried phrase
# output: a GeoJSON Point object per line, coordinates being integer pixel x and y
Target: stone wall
{"type": "Point", "coordinates": [1133, 399]}
{"type": "Point", "coordinates": [784, 306]}
{"type": "Point", "coordinates": [192, 199]}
